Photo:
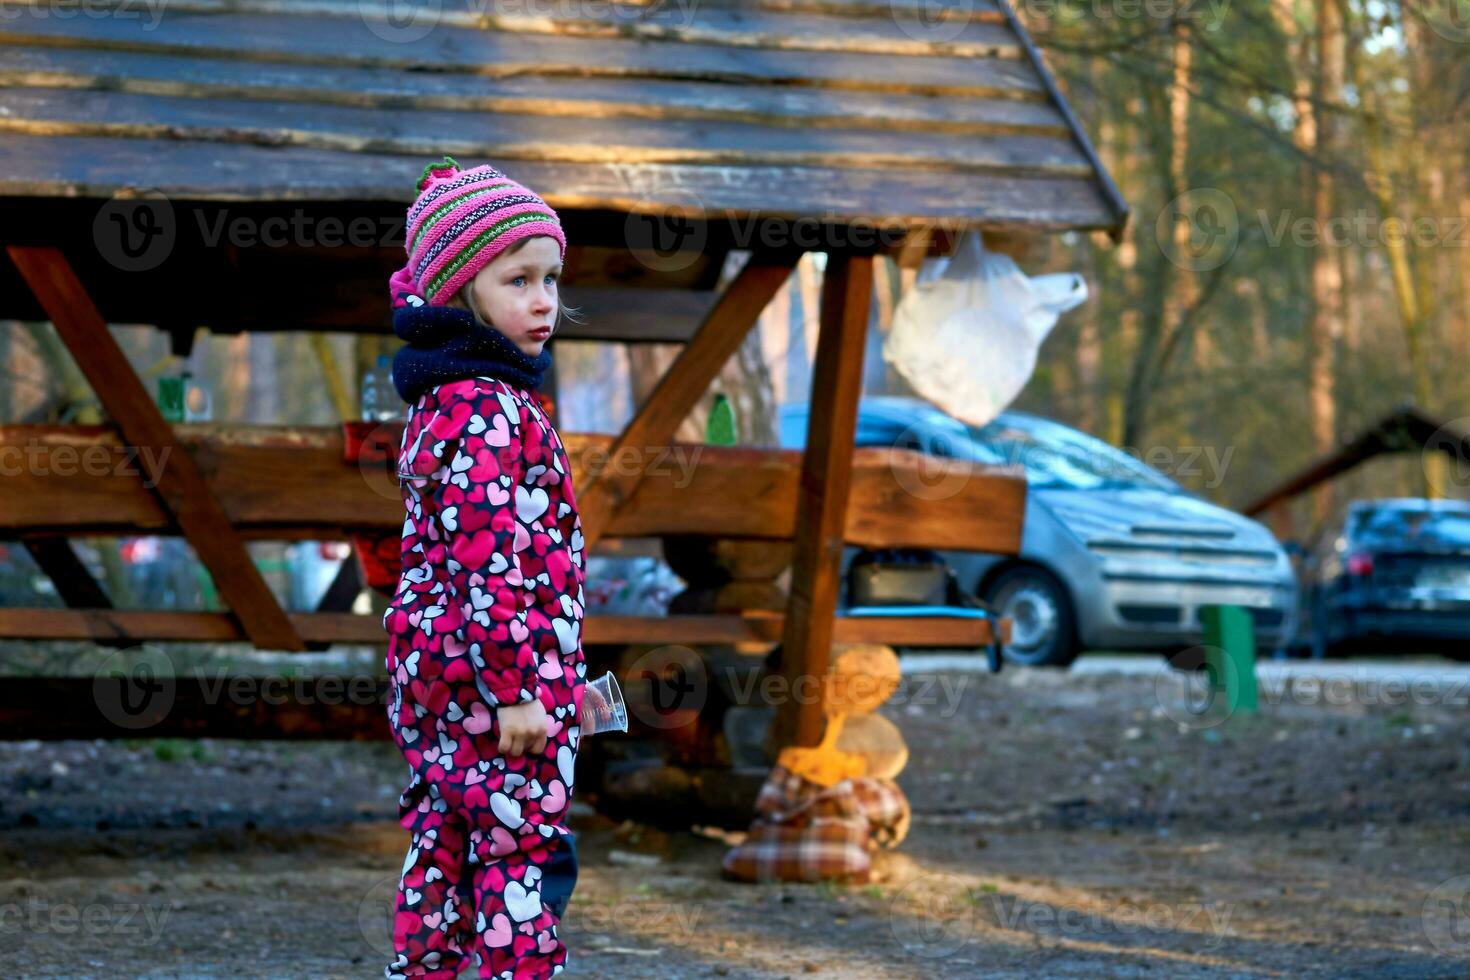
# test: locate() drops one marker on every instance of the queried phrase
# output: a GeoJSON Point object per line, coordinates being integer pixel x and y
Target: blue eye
{"type": "Point", "coordinates": [517, 279]}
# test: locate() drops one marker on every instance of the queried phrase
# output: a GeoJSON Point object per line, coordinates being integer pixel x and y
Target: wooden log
{"type": "Point", "coordinates": [289, 483]}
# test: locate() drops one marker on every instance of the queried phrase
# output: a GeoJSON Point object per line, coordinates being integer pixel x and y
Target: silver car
{"type": "Point", "coordinates": [1114, 555]}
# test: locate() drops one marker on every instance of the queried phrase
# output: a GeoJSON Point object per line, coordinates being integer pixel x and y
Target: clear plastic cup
{"type": "Point", "coordinates": [602, 707]}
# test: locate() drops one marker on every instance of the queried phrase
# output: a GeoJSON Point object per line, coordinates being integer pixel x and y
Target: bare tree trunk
{"type": "Point", "coordinates": [1379, 179]}
{"type": "Point", "coordinates": [1170, 292]}
{"type": "Point", "coordinates": [1260, 332]}
{"type": "Point", "coordinates": [72, 399]}
{"type": "Point", "coordinates": [1460, 331]}
{"type": "Point", "coordinates": [1352, 313]}
{"type": "Point", "coordinates": [1325, 329]}
{"type": "Point", "coordinates": [1183, 294]}
{"type": "Point", "coordinates": [1311, 136]}
{"type": "Point", "coordinates": [810, 278]}
{"type": "Point", "coordinates": [1115, 344]}
{"type": "Point", "coordinates": [745, 380]}
{"type": "Point", "coordinates": [234, 393]}
{"type": "Point", "coordinates": [775, 330]}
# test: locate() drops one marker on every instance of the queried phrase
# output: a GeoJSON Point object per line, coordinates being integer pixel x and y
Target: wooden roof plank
{"type": "Point", "coordinates": [345, 42]}
{"type": "Point", "coordinates": [984, 9]}
{"type": "Point", "coordinates": [905, 32]}
{"type": "Point", "coordinates": [101, 167]}
{"type": "Point", "coordinates": [73, 112]}
{"type": "Point", "coordinates": [201, 77]}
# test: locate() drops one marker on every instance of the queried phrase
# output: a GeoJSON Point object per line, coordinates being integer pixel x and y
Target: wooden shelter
{"type": "Point", "coordinates": [1405, 429]}
{"type": "Point", "coordinates": [245, 165]}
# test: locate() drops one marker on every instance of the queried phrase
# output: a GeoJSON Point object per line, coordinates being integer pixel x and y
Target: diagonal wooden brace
{"type": "Point", "coordinates": [681, 387]}
{"type": "Point", "coordinates": [181, 489]}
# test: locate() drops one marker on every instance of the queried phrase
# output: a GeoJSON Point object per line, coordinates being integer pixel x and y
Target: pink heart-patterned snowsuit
{"type": "Point", "coordinates": [488, 612]}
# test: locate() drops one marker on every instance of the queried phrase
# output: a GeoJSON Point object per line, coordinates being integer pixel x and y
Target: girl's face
{"type": "Point", "coordinates": [516, 292]}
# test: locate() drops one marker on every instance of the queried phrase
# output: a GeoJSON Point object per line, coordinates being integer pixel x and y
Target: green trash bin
{"type": "Point", "coordinates": [1230, 655]}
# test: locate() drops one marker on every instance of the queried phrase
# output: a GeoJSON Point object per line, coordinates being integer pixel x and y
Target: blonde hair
{"type": "Point", "coordinates": [572, 313]}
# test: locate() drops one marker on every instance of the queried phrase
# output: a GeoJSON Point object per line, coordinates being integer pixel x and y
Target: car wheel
{"type": "Point", "coordinates": [1043, 625]}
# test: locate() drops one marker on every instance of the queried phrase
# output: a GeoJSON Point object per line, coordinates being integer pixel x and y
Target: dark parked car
{"type": "Point", "coordinates": [1393, 576]}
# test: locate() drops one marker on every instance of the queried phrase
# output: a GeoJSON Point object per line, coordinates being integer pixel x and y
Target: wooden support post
{"type": "Point", "coordinates": [826, 479]}
{"type": "Point", "coordinates": [181, 489]}
{"type": "Point", "coordinates": [680, 389]}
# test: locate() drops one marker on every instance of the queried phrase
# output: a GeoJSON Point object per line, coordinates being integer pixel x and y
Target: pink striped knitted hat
{"type": "Point", "coordinates": [461, 220]}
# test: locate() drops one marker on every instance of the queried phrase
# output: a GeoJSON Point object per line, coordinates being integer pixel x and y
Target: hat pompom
{"type": "Point", "coordinates": [445, 168]}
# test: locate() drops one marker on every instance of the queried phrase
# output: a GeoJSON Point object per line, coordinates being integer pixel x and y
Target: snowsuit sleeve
{"type": "Point", "coordinates": [476, 457]}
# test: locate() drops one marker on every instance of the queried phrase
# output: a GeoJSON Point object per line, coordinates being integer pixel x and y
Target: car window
{"type": "Point", "coordinates": [1052, 454]}
{"type": "Point", "coordinates": [1407, 526]}
{"type": "Point", "coordinates": [1057, 456]}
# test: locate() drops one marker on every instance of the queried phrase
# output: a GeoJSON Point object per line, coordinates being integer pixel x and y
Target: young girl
{"type": "Point", "coordinates": [485, 661]}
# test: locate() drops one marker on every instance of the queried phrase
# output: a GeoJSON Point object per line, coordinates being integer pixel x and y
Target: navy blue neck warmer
{"type": "Point", "coordinates": [445, 343]}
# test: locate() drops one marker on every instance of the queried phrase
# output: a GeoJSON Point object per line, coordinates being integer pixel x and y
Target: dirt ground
{"type": "Point", "coordinates": [1065, 825]}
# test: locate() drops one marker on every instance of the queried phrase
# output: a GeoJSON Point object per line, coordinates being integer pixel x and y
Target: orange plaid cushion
{"type": "Point", "coordinates": [786, 797]}
{"type": "Point", "coordinates": [821, 850]}
{"type": "Point", "coordinates": [807, 832]}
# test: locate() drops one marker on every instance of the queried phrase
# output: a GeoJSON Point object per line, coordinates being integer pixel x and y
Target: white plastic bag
{"type": "Point", "coordinates": [966, 338]}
